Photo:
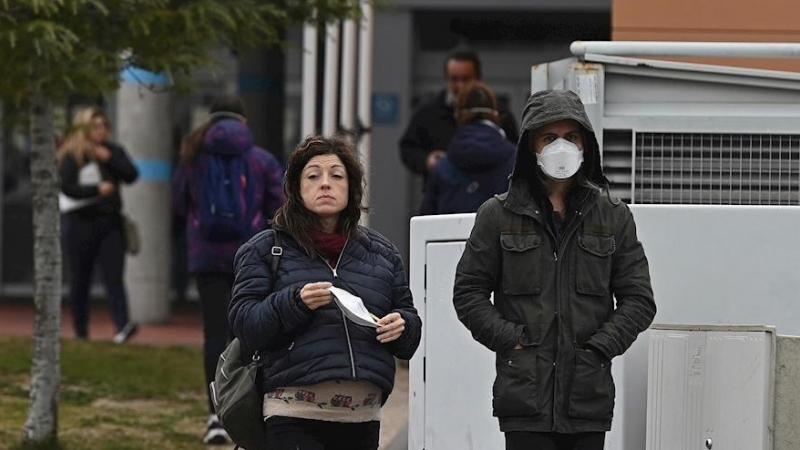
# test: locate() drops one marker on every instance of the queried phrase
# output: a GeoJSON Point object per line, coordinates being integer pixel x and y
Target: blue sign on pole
{"type": "Point", "coordinates": [385, 108]}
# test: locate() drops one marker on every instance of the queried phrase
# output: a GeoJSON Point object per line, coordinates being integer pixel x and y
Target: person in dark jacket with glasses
{"type": "Point", "coordinates": [326, 377]}
{"type": "Point", "coordinates": [570, 280]}
{"type": "Point", "coordinates": [433, 124]}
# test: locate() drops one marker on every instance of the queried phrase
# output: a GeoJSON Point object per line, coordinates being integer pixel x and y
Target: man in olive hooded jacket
{"type": "Point", "coordinates": [556, 250]}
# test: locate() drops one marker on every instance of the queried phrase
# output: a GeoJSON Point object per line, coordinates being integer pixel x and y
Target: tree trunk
{"type": "Point", "coordinates": [42, 423]}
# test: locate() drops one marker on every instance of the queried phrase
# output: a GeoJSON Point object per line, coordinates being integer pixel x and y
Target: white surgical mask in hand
{"type": "Point", "coordinates": [560, 159]}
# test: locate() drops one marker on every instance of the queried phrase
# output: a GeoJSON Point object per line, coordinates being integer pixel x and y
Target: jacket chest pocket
{"type": "Point", "coordinates": [521, 255]}
{"type": "Point", "coordinates": [593, 266]}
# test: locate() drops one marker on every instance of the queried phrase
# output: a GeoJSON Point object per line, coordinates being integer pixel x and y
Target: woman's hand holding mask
{"type": "Point", "coordinates": [315, 295]}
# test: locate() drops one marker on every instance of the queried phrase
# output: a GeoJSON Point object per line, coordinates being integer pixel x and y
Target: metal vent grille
{"type": "Point", "coordinates": [617, 162]}
{"type": "Point", "coordinates": [705, 168]}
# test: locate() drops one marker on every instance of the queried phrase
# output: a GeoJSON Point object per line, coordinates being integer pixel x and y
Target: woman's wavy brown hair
{"type": "Point", "coordinates": [293, 217]}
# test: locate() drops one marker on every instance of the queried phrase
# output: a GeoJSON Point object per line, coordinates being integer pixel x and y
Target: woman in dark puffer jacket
{"type": "Point", "coordinates": [326, 377]}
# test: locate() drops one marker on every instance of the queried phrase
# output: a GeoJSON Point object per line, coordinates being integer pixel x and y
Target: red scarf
{"type": "Point", "coordinates": [330, 245]}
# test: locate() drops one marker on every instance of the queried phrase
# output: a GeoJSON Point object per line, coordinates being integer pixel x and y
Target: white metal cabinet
{"type": "Point", "coordinates": [459, 371]}
{"type": "Point", "coordinates": [710, 388]}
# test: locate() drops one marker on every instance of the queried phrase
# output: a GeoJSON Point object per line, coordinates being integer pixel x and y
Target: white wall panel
{"type": "Point", "coordinates": [723, 265]}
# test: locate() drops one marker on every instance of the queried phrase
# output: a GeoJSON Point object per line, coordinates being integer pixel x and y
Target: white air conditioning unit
{"type": "Point", "coordinates": [684, 133]}
{"type": "Point", "coordinates": [710, 387]}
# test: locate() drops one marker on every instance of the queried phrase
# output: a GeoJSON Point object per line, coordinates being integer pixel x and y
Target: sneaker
{"type": "Point", "coordinates": [126, 333]}
{"type": "Point", "coordinates": [215, 434]}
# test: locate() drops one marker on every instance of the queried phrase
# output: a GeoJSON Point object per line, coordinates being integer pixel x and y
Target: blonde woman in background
{"type": "Point", "coordinates": [91, 170]}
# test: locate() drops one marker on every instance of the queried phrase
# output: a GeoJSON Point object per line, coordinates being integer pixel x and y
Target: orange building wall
{"type": "Point", "coordinates": [711, 21]}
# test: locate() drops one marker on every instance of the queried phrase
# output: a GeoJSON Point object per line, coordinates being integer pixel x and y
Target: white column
{"type": "Point", "coordinates": [144, 127]}
{"type": "Point", "coordinates": [329, 105]}
{"type": "Point", "coordinates": [365, 95]}
{"type": "Point", "coordinates": [309, 111]}
{"type": "Point", "coordinates": [347, 100]}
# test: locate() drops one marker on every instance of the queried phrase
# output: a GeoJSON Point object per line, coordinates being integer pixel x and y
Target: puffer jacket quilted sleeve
{"type": "Point", "coordinates": [260, 314]}
{"type": "Point", "coordinates": [405, 346]}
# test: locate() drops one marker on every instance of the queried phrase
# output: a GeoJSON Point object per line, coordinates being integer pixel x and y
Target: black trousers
{"type": "Point", "coordinates": [90, 240]}
{"type": "Point", "coordinates": [522, 440]}
{"type": "Point", "coordinates": [287, 433]}
{"type": "Point", "coordinates": [214, 289]}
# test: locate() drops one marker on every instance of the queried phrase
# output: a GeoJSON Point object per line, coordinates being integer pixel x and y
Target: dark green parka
{"type": "Point", "coordinates": [556, 300]}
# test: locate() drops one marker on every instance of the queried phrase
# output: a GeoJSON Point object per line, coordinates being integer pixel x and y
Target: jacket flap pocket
{"type": "Point", "coordinates": [597, 245]}
{"type": "Point", "coordinates": [520, 242]}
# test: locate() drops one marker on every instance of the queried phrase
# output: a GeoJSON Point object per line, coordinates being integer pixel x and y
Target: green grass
{"type": "Point", "coordinates": [113, 397]}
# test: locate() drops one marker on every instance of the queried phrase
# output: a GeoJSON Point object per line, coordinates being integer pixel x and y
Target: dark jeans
{"type": "Point", "coordinates": [286, 433]}
{"type": "Point", "coordinates": [90, 240]}
{"type": "Point", "coordinates": [214, 289]}
{"type": "Point", "coordinates": [522, 440]}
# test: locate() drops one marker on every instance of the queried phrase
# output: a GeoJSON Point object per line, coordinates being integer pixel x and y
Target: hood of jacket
{"type": "Point", "coordinates": [544, 107]}
{"type": "Point", "coordinates": [479, 147]}
{"type": "Point", "coordinates": [228, 137]}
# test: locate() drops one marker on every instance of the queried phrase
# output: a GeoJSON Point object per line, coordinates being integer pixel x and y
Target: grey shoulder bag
{"type": "Point", "coordinates": [235, 392]}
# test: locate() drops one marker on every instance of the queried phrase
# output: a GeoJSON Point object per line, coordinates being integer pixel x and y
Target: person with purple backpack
{"type": "Point", "coordinates": [228, 189]}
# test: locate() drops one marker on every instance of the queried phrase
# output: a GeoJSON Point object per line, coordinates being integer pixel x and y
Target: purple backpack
{"type": "Point", "coordinates": [225, 204]}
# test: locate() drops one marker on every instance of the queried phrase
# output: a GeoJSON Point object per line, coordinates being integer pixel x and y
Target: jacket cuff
{"type": "Point", "coordinates": [298, 303]}
{"type": "Point", "coordinates": [518, 337]}
{"type": "Point", "coordinates": [592, 346]}
{"type": "Point", "coordinates": [523, 338]}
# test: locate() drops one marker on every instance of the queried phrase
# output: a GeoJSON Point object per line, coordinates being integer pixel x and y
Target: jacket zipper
{"type": "Point", "coordinates": [572, 229]}
{"type": "Point", "coordinates": [344, 319]}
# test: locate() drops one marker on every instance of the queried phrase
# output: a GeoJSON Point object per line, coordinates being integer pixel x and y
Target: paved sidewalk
{"type": "Point", "coordinates": [185, 327]}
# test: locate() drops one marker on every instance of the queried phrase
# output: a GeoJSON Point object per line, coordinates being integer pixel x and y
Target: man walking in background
{"type": "Point", "coordinates": [433, 124]}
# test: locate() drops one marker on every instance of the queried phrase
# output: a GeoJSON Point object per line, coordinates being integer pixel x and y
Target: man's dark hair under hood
{"type": "Point", "coordinates": [550, 106]}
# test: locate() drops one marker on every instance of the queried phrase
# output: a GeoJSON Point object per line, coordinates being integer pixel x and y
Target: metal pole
{"type": "Point", "coordinates": [347, 100]}
{"type": "Point", "coordinates": [329, 107]}
{"type": "Point", "coordinates": [698, 49]}
{"type": "Point", "coordinates": [309, 122]}
{"type": "Point", "coordinates": [365, 96]}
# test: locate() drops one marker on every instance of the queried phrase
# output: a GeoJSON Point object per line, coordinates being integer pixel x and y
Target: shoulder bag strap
{"type": "Point", "coordinates": [277, 252]}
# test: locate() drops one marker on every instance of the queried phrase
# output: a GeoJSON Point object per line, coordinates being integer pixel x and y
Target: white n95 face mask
{"type": "Point", "coordinates": [560, 159]}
